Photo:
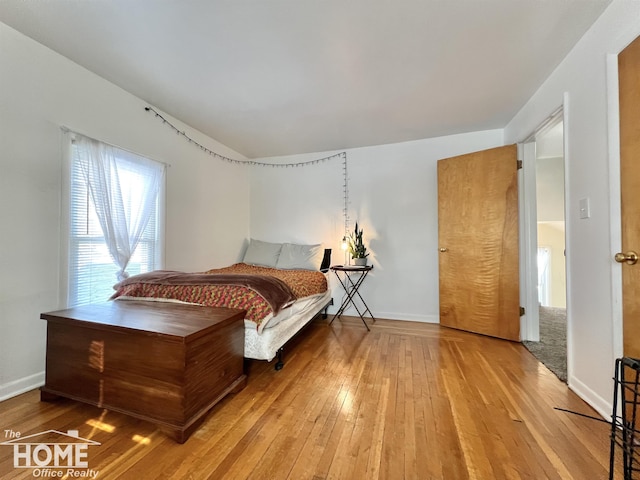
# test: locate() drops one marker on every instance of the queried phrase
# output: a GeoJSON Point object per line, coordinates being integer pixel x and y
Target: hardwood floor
{"type": "Point", "coordinates": [405, 401]}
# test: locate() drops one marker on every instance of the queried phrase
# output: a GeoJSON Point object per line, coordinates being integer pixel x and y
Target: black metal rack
{"type": "Point", "coordinates": [624, 434]}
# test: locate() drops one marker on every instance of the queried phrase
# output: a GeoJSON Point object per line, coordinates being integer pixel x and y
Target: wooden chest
{"type": "Point", "coordinates": [162, 362]}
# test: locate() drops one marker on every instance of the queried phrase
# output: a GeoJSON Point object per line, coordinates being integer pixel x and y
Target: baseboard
{"type": "Point", "coordinates": [406, 317]}
{"type": "Point", "coordinates": [21, 385]}
{"type": "Point", "coordinates": [409, 317]}
{"type": "Point", "coordinates": [603, 406]}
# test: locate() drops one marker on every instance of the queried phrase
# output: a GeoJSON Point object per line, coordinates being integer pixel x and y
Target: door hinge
{"type": "Point", "coordinates": [521, 311]}
{"type": "Point", "coordinates": [519, 164]}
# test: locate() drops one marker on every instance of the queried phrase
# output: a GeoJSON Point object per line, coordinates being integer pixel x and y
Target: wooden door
{"type": "Point", "coordinates": [478, 241]}
{"type": "Point", "coordinates": [629, 91]}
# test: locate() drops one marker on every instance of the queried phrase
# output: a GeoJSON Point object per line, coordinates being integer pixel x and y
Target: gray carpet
{"type": "Point", "coordinates": [551, 350]}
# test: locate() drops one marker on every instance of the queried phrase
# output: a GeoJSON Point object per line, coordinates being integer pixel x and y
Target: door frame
{"type": "Point", "coordinates": [615, 226]}
{"type": "Point", "coordinates": [530, 321]}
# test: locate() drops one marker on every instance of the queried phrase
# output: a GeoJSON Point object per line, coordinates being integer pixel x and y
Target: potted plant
{"type": "Point", "coordinates": [356, 247]}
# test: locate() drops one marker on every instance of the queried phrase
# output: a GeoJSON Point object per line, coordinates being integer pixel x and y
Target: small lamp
{"type": "Point", "coordinates": [344, 247]}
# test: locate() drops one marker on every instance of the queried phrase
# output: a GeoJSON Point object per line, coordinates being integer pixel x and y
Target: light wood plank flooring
{"type": "Point", "coordinates": [405, 401]}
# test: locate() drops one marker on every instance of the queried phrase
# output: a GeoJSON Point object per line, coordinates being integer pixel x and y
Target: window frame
{"type": "Point", "coordinates": [65, 233]}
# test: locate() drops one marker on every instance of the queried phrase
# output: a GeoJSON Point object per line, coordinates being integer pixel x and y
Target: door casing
{"type": "Point", "coordinates": [530, 321]}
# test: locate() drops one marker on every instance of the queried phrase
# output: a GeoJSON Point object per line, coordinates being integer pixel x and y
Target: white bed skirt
{"type": "Point", "coordinates": [265, 345]}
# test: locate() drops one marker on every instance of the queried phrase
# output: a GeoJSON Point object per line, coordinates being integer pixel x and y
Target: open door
{"type": "Point", "coordinates": [478, 240]}
{"type": "Point", "coordinates": [629, 91]}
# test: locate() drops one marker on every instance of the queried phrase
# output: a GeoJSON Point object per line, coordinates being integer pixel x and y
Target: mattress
{"type": "Point", "coordinates": [265, 345]}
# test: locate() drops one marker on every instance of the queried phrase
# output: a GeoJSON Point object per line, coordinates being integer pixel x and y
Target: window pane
{"type": "Point", "coordinates": [92, 271]}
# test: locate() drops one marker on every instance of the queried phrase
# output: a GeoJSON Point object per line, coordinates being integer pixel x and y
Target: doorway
{"type": "Point", "coordinates": [548, 320]}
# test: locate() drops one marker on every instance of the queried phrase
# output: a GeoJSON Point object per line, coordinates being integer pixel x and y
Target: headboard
{"type": "Point", "coordinates": [326, 260]}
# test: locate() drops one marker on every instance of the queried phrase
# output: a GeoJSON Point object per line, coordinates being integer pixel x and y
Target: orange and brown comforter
{"type": "Point", "coordinates": [261, 291]}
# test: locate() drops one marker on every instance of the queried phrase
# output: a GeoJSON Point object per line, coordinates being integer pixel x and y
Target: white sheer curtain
{"type": "Point", "coordinates": [124, 189]}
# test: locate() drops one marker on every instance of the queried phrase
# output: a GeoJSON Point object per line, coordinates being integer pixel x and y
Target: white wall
{"type": "Point", "coordinates": [592, 307]}
{"type": "Point", "coordinates": [393, 196]}
{"type": "Point", "coordinates": [550, 189]}
{"type": "Point", "coordinates": [207, 200]}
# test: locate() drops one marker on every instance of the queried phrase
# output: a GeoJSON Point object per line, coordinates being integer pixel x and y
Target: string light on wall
{"type": "Point", "coordinates": [343, 155]}
{"type": "Point", "coordinates": [345, 207]}
{"type": "Point", "coordinates": [208, 151]}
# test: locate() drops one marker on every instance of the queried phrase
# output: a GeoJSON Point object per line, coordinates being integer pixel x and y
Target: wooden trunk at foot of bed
{"type": "Point", "coordinates": [165, 363]}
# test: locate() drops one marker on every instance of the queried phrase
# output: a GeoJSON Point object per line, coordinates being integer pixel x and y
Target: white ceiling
{"type": "Point", "coordinates": [282, 77]}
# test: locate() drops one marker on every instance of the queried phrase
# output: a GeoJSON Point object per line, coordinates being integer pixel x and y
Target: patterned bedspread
{"type": "Point", "coordinates": [302, 283]}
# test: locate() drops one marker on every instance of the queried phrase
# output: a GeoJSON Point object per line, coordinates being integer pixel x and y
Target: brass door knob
{"type": "Point", "coordinates": [630, 258]}
{"type": "Point", "coordinates": [443, 249]}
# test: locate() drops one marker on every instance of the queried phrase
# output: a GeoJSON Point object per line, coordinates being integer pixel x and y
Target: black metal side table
{"type": "Point", "coordinates": [351, 288]}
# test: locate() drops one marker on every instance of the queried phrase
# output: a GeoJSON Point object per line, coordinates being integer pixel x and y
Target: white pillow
{"type": "Point", "coordinates": [300, 257]}
{"type": "Point", "coordinates": [262, 253]}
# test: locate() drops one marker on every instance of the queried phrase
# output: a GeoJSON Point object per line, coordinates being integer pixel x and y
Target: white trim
{"type": "Point", "coordinates": [65, 220]}
{"type": "Point", "coordinates": [22, 385]}
{"type": "Point", "coordinates": [161, 255]}
{"type": "Point", "coordinates": [409, 317]}
{"type": "Point", "coordinates": [615, 235]}
{"type": "Point", "coordinates": [566, 125]}
{"type": "Point", "coordinates": [529, 323]}
{"type": "Point", "coordinates": [546, 125]}
{"type": "Point", "coordinates": [405, 317]}
{"type": "Point", "coordinates": [599, 404]}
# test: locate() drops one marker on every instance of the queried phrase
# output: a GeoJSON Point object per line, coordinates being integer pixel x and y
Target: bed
{"type": "Point", "coordinates": [282, 287]}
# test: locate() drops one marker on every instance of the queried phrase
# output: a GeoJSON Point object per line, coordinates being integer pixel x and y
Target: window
{"type": "Point", "coordinates": [544, 276]}
{"type": "Point", "coordinates": [120, 193]}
